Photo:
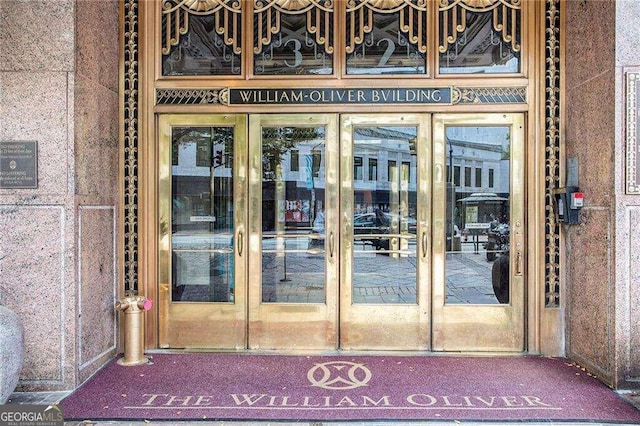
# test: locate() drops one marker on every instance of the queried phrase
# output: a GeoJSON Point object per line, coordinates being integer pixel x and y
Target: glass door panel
{"type": "Point", "coordinates": [385, 216]}
{"type": "Point", "coordinates": [478, 247]}
{"type": "Point", "coordinates": [293, 187]}
{"type": "Point", "coordinates": [202, 295]}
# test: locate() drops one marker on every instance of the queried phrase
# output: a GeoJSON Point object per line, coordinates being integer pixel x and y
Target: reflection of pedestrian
{"type": "Point", "coordinates": [318, 223]}
{"type": "Point", "coordinates": [500, 278]}
{"type": "Point", "coordinates": [318, 228]}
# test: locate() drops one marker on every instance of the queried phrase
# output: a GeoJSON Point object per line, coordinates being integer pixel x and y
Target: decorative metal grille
{"type": "Point", "coordinates": [412, 17]}
{"type": "Point", "coordinates": [552, 151]}
{"type": "Point", "coordinates": [453, 13]}
{"type": "Point", "coordinates": [267, 20]}
{"type": "Point", "coordinates": [130, 129]}
{"type": "Point", "coordinates": [190, 96]}
{"type": "Point", "coordinates": [632, 118]}
{"type": "Point", "coordinates": [201, 37]}
{"type": "Point", "coordinates": [175, 16]}
{"type": "Point", "coordinates": [490, 95]}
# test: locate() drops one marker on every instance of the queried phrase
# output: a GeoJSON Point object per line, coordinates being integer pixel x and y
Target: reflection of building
{"type": "Point", "coordinates": [193, 164]}
{"type": "Point", "coordinates": [480, 160]}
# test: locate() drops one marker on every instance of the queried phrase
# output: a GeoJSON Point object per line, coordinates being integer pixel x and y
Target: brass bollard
{"type": "Point", "coordinates": [133, 308]}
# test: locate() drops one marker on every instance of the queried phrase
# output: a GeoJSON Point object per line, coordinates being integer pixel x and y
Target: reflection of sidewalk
{"type": "Point", "coordinates": [377, 278]}
{"type": "Point", "coordinates": [469, 278]}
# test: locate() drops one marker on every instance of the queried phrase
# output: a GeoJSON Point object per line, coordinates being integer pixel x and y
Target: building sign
{"type": "Point", "coordinates": [633, 133]}
{"type": "Point", "coordinates": [18, 164]}
{"type": "Point", "coordinates": [343, 96]}
{"type": "Point", "coordinates": [329, 96]}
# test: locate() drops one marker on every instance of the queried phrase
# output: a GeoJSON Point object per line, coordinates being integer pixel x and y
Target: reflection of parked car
{"type": "Point", "coordinates": [372, 223]}
{"type": "Point", "coordinates": [406, 223]}
{"type": "Point", "coordinates": [380, 222]}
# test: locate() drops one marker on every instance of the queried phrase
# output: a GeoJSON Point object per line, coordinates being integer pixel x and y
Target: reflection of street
{"type": "Point", "coordinates": [468, 274]}
{"type": "Point", "coordinates": [469, 279]}
{"type": "Point", "coordinates": [377, 277]}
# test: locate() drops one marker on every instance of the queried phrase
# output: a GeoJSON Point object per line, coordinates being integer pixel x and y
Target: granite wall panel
{"type": "Point", "coordinates": [97, 58]}
{"type": "Point", "coordinates": [37, 35]}
{"type": "Point", "coordinates": [33, 283]}
{"type": "Point", "coordinates": [96, 119]}
{"type": "Point", "coordinates": [35, 106]}
{"type": "Point", "coordinates": [590, 137]}
{"type": "Point", "coordinates": [97, 266]}
{"type": "Point", "coordinates": [633, 367]}
{"type": "Point", "coordinates": [96, 145]}
{"type": "Point", "coordinates": [592, 291]}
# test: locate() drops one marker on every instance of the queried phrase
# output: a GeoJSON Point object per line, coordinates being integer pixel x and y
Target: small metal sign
{"type": "Point", "coordinates": [18, 164]}
{"type": "Point", "coordinates": [633, 133]}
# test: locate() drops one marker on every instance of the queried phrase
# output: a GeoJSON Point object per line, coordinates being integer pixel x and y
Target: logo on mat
{"type": "Point", "coordinates": [339, 375]}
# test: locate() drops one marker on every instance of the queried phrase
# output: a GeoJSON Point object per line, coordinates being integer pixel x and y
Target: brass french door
{"type": "Point", "coordinates": [293, 232]}
{"type": "Point", "coordinates": [385, 231]}
{"type": "Point", "coordinates": [395, 232]}
{"type": "Point", "coordinates": [202, 231]}
{"type": "Point", "coordinates": [478, 251]}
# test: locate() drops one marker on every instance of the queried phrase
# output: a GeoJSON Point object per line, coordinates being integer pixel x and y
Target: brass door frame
{"type": "Point", "coordinates": [293, 326]}
{"type": "Point", "coordinates": [187, 330]}
{"type": "Point", "coordinates": [338, 323]}
{"type": "Point", "coordinates": [471, 328]}
{"type": "Point", "coordinates": [385, 326]}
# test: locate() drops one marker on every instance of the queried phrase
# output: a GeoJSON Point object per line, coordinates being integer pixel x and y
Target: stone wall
{"type": "Point", "coordinates": [59, 82]}
{"type": "Point", "coordinates": [601, 302]}
{"type": "Point", "coordinates": [627, 208]}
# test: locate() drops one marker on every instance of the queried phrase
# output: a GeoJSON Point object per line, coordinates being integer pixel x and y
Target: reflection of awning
{"type": "Point", "coordinates": [483, 197]}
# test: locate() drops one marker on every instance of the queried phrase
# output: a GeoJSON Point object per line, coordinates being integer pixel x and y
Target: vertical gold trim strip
{"type": "Point", "coordinates": [552, 147]}
{"type": "Point", "coordinates": [130, 113]}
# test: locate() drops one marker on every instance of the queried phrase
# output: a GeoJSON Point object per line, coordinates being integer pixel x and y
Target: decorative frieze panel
{"type": "Point", "coordinates": [310, 96]}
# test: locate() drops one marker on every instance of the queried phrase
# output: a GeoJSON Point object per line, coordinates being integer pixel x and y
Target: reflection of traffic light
{"type": "Point", "coordinates": [217, 158]}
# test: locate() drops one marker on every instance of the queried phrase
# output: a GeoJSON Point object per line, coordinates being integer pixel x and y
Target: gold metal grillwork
{"type": "Point", "coordinates": [267, 15]}
{"type": "Point", "coordinates": [453, 14]}
{"type": "Point", "coordinates": [413, 20]}
{"type": "Point", "coordinates": [227, 15]}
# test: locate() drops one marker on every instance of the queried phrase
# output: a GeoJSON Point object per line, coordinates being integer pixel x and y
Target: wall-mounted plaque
{"type": "Point", "coordinates": [633, 133]}
{"type": "Point", "coordinates": [18, 164]}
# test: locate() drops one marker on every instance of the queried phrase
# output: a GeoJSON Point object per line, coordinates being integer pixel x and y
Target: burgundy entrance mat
{"type": "Point", "coordinates": [326, 388]}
